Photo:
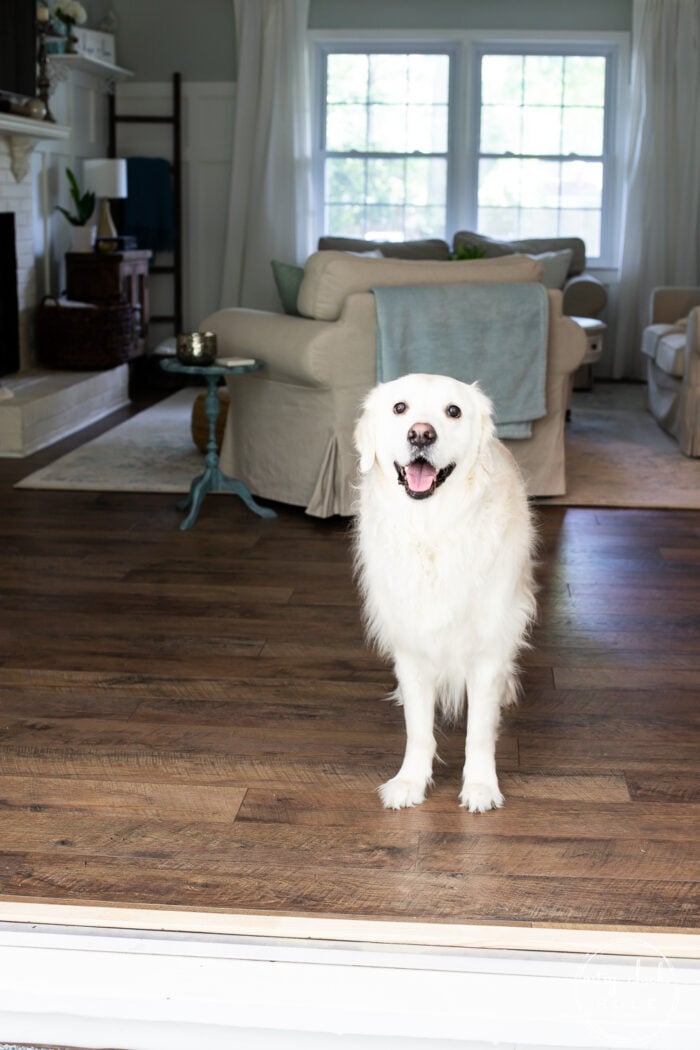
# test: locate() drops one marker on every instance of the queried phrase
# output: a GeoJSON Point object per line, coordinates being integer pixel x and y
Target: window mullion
{"type": "Point", "coordinates": [592, 158]}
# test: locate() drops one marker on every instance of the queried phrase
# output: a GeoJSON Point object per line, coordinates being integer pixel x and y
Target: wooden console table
{"type": "Point", "coordinates": [111, 277]}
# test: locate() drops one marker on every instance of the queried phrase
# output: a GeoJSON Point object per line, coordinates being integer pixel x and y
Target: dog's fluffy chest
{"type": "Point", "coordinates": [424, 579]}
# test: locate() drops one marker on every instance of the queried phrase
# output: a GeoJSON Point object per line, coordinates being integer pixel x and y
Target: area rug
{"type": "Point", "coordinates": [616, 454]}
{"type": "Point", "coordinates": [152, 452]}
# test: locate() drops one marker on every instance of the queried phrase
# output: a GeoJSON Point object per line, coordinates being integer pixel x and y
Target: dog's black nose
{"type": "Point", "coordinates": [421, 434]}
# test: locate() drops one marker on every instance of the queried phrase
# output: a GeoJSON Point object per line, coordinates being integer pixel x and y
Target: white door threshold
{"type": "Point", "coordinates": [165, 990]}
{"type": "Point", "coordinates": [580, 940]}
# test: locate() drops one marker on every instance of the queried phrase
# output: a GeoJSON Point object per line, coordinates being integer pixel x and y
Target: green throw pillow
{"type": "Point", "coordinates": [288, 279]}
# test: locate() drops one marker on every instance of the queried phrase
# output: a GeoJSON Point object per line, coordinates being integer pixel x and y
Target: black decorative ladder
{"type": "Point", "coordinates": [175, 120]}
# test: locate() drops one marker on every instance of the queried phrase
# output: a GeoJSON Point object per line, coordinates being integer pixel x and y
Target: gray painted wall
{"type": "Point", "coordinates": [156, 39]}
{"type": "Point", "coordinates": [471, 14]}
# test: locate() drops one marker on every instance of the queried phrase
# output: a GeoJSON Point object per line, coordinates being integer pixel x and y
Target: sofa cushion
{"type": "Point", "coordinates": [288, 280]}
{"type": "Point", "coordinates": [330, 277]}
{"type": "Point", "coordinates": [533, 245]}
{"type": "Point", "coordinates": [665, 344]}
{"type": "Point", "coordinates": [555, 267]}
{"type": "Point", "coordinates": [427, 249]}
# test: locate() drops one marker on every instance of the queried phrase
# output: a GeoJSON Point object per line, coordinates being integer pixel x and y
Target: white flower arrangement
{"type": "Point", "coordinates": [71, 12]}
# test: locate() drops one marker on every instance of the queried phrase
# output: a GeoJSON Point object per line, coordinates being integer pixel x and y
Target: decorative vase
{"type": "Point", "coordinates": [71, 48]}
{"type": "Point", "coordinates": [55, 38]}
{"type": "Point", "coordinates": [83, 238]}
{"type": "Point", "coordinates": [35, 109]}
{"type": "Point", "coordinates": [56, 45]}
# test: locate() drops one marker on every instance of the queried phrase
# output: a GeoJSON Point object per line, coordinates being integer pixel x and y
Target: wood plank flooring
{"type": "Point", "coordinates": [193, 720]}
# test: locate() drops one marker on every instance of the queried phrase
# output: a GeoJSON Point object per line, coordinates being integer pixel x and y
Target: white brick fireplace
{"type": "Point", "coordinates": [16, 199]}
{"type": "Point", "coordinates": [37, 407]}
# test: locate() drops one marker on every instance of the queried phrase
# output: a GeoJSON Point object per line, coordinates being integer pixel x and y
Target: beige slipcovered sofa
{"type": "Point", "coordinates": [671, 343]}
{"type": "Point", "coordinates": [290, 425]}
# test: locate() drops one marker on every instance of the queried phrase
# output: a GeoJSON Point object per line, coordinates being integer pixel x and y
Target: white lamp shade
{"type": "Point", "coordinates": [105, 177]}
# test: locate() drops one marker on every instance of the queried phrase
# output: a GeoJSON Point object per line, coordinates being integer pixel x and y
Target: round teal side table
{"type": "Point", "coordinates": [213, 480]}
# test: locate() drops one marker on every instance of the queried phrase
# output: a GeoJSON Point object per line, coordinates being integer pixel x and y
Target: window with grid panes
{"type": "Point", "coordinates": [384, 143]}
{"type": "Point", "coordinates": [543, 146]}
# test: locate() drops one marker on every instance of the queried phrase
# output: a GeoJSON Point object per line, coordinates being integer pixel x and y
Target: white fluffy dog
{"type": "Point", "coordinates": [444, 545]}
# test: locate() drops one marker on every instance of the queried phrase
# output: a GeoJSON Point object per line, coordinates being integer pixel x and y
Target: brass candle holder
{"type": "Point", "coordinates": [196, 348]}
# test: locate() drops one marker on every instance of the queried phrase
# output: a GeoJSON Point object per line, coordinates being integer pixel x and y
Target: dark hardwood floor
{"type": "Point", "coordinates": [193, 720]}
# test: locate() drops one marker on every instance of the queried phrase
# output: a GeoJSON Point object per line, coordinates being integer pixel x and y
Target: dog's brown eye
{"type": "Point", "coordinates": [400, 407]}
{"type": "Point", "coordinates": [454, 411]}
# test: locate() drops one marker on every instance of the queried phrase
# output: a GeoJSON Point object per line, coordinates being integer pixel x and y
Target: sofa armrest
{"type": "Point", "coordinates": [312, 353]}
{"type": "Point", "coordinates": [584, 295]}
{"type": "Point", "coordinates": [283, 342]}
{"type": "Point", "coordinates": [691, 355]}
{"type": "Point", "coordinates": [669, 304]}
{"type": "Point", "coordinates": [567, 342]}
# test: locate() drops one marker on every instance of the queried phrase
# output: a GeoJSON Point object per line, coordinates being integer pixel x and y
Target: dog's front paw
{"type": "Point", "coordinates": [478, 798]}
{"type": "Point", "coordinates": [400, 792]}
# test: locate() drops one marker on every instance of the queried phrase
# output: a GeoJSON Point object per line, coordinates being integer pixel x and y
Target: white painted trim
{"type": "Point", "coordinates": [502, 36]}
{"type": "Point", "coordinates": [156, 991]}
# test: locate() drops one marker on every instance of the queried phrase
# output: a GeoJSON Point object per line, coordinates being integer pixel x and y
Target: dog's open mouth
{"type": "Point", "coordinates": [420, 478]}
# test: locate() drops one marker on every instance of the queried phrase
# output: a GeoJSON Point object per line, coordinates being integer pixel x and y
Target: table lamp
{"type": "Point", "coordinates": [106, 178]}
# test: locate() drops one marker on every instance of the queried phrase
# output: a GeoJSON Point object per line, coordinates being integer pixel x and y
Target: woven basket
{"type": "Point", "coordinates": [200, 423]}
{"type": "Point", "coordinates": [85, 336]}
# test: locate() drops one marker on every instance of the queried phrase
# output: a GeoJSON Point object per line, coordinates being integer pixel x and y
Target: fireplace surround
{"type": "Point", "coordinates": [37, 407]}
{"type": "Point", "coordinates": [17, 216]}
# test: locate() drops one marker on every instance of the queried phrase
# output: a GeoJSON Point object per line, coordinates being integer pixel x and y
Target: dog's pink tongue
{"type": "Point", "coordinates": [420, 476]}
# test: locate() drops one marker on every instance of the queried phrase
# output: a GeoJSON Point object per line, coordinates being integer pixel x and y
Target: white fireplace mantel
{"type": "Point", "coordinates": [23, 134]}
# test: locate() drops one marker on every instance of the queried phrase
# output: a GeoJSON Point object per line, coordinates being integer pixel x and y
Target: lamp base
{"type": "Point", "coordinates": [116, 244]}
{"type": "Point", "coordinates": [105, 225]}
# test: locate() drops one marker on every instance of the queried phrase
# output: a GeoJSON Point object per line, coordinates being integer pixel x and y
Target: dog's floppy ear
{"type": "Point", "coordinates": [488, 428]}
{"type": "Point", "coordinates": [365, 441]}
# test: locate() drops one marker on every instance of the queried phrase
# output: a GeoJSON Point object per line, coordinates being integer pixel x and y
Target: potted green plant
{"type": "Point", "coordinates": [471, 251]}
{"type": "Point", "coordinates": [83, 233]}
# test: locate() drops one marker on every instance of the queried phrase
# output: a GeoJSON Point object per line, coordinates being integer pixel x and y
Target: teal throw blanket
{"type": "Point", "coordinates": [493, 333]}
{"type": "Point", "coordinates": [148, 212]}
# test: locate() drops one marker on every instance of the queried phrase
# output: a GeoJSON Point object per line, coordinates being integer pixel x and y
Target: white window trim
{"type": "Point", "coordinates": [464, 117]}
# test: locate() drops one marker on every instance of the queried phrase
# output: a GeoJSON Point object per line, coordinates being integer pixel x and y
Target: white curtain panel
{"type": "Point", "coordinates": [269, 215]}
{"type": "Point", "coordinates": [661, 226]}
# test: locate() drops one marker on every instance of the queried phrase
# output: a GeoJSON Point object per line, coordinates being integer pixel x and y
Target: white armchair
{"type": "Point", "coordinates": [671, 344]}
